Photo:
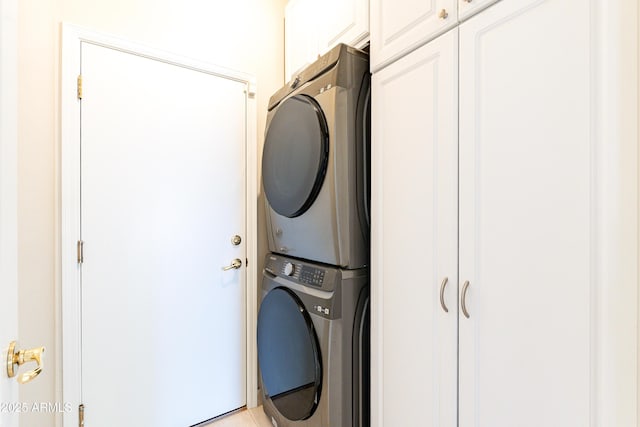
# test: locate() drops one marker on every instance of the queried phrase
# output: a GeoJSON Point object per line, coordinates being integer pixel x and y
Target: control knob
{"type": "Point", "coordinates": [288, 269]}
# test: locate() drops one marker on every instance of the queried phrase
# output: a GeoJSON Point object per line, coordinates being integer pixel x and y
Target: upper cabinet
{"type": "Point", "coordinates": [313, 27]}
{"type": "Point", "coordinates": [344, 21]}
{"type": "Point", "coordinates": [400, 26]}
{"type": "Point", "coordinates": [467, 8]}
{"type": "Point", "coordinates": [300, 39]}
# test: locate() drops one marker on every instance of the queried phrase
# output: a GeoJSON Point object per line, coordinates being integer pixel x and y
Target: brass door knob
{"type": "Point", "coordinates": [235, 264]}
{"type": "Point", "coordinates": [16, 358]}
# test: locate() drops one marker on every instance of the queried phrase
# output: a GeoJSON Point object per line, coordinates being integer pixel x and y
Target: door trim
{"type": "Point", "coordinates": [8, 194]}
{"type": "Point", "coordinates": [70, 342]}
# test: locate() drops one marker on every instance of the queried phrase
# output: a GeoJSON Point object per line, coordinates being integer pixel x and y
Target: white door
{"type": "Point", "coordinates": [415, 238]}
{"type": "Point", "coordinates": [526, 215]}
{"type": "Point", "coordinates": [8, 207]}
{"type": "Point", "coordinates": [162, 195]}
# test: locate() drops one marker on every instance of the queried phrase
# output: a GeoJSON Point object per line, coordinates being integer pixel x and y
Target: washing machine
{"type": "Point", "coordinates": [315, 163]}
{"type": "Point", "coordinates": [313, 344]}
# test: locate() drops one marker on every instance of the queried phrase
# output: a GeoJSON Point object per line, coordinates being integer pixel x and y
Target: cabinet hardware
{"type": "Point", "coordinates": [81, 415]}
{"type": "Point", "coordinates": [80, 251]}
{"type": "Point", "coordinates": [443, 14]}
{"type": "Point", "coordinates": [442, 286]}
{"type": "Point", "coordinates": [463, 299]}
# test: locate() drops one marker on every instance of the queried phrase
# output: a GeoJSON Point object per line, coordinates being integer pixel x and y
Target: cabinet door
{"type": "Point", "coordinates": [468, 8]}
{"type": "Point", "coordinates": [345, 21]}
{"type": "Point", "coordinates": [414, 238]}
{"type": "Point", "coordinates": [400, 26]}
{"type": "Point", "coordinates": [301, 40]}
{"type": "Point", "coordinates": [526, 233]}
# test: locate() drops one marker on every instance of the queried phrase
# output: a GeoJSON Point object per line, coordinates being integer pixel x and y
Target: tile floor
{"type": "Point", "coordinates": [254, 417]}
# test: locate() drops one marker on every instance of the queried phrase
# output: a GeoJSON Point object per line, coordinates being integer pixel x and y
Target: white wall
{"type": "Point", "coordinates": [245, 35]}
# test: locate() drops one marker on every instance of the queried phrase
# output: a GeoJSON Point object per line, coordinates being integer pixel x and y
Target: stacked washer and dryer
{"type": "Point", "coordinates": [313, 324]}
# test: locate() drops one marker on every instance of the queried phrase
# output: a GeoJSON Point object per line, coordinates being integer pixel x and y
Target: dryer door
{"type": "Point", "coordinates": [289, 355]}
{"type": "Point", "coordinates": [295, 155]}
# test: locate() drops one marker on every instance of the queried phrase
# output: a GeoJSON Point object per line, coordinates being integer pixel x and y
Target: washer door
{"type": "Point", "coordinates": [289, 355]}
{"type": "Point", "coordinates": [295, 156]}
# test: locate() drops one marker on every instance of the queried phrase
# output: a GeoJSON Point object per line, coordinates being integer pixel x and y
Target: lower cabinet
{"type": "Point", "coordinates": [525, 221]}
{"type": "Point", "coordinates": [491, 212]}
{"type": "Point", "coordinates": [415, 237]}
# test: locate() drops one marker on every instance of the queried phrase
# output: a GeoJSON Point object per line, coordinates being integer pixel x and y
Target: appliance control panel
{"type": "Point", "coordinates": [312, 276]}
{"type": "Point", "coordinates": [307, 274]}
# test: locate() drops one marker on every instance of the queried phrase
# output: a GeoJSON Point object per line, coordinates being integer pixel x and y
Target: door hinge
{"type": "Point", "coordinates": [250, 90]}
{"type": "Point", "coordinates": [80, 251]}
{"type": "Point", "coordinates": [80, 86]}
{"type": "Point", "coordinates": [81, 415]}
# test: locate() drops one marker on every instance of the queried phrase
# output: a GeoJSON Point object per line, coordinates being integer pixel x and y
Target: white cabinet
{"type": "Point", "coordinates": [530, 212]}
{"type": "Point", "coordinates": [344, 21]}
{"type": "Point", "coordinates": [313, 27]}
{"type": "Point", "coordinates": [300, 38]}
{"type": "Point", "coordinates": [400, 26]}
{"type": "Point", "coordinates": [526, 225]}
{"type": "Point", "coordinates": [467, 8]}
{"type": "Point", "coordinates": [415, 229]}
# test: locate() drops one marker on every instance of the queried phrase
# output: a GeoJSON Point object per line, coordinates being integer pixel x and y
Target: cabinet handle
{"type": "Point", "coordinates": [463, 299]}
{"type": "Point", "coordinates": [443, 14]}
{"type": "Point", "coordinates": [442, 286]}
{"type": "Point", "coordinates": [467, 1]}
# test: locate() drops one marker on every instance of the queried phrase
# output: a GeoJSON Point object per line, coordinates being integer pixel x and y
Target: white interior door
{"type": "Point", "coordinates": [8, 206]}
{"type": "Point", "coordinates": [162, 195]}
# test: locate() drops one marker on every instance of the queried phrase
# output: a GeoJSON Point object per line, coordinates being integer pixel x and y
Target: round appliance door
{"type": "Point", "coordinates": [289, 355]}
{"type": "Point", "coordinates": [295, 156]}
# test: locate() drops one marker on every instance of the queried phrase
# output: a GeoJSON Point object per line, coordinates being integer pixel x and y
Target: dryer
{"type": "Point", "coordinates": [315, 163]}
{"type": "Point", "coordinates": [313, 344]}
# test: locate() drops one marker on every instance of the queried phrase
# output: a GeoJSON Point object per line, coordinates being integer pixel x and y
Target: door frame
{"type": "Point", "coordinates": [72, 37]}
{"type": "Point", "coordinates": [8, 195]}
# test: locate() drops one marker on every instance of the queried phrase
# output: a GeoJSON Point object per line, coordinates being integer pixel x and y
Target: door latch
{"type": "Point", "coordinates": [235, 264]}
